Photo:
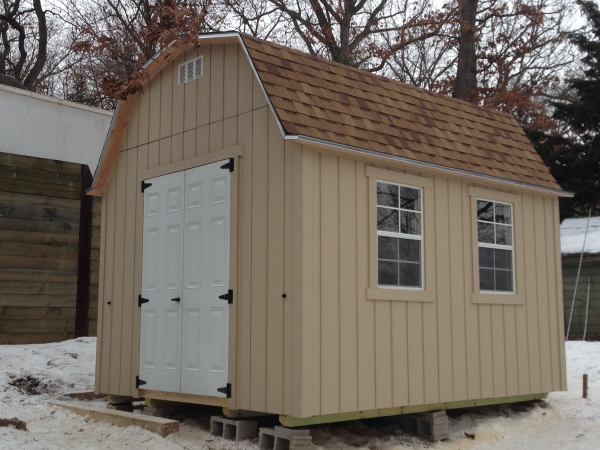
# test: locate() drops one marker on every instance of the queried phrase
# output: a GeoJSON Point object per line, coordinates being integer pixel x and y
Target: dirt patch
{"type": "Point", "coordinates": [18, 424]}
{"type": "Point", "coordinates": [30, 385]}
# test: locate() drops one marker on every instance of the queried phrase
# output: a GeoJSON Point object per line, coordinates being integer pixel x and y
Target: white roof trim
{"type": "Point", "coordinates": [49, 99]}
{"type": "Point", "coordinates": [414, 162]}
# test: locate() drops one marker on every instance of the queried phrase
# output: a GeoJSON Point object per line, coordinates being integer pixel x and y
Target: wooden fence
{"type": "Point", "coordinates": [39, 248]}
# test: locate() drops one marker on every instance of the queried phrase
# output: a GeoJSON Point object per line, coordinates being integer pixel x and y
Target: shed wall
{"type": "Point", "coordinates": [590, 270]}
{"type": "Point", "coordinates": [371, 354]}
{"type": "Point", "coordinates": [172, 123]}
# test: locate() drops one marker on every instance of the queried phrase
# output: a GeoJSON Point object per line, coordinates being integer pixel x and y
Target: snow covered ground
{"type": "Point", "coordinates": [568, 422]}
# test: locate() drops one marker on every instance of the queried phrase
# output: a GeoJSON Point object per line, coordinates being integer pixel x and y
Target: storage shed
{"type": "Point", "coordinates": [585, 318]}
{"type": "Point", "coordinates": [287, 235]}
{"type": "Point", "coordinates": [49, 229]}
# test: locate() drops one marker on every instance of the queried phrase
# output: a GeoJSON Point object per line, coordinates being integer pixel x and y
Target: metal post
{"type": "Point", "coordinates": [578, 272]}
{"type": "Point", "coordinates": [587, 308]}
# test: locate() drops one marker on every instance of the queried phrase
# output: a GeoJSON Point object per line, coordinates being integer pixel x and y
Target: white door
{"type": "Point", "coordinates": [185, 325]}
{"type": "Point", "coordinates": [205, 339]}
{"type": "Point", "coordinates": [160, 339]}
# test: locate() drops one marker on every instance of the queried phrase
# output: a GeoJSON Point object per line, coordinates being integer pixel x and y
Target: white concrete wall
{"type": "Point", "coordinates": [45, 127]}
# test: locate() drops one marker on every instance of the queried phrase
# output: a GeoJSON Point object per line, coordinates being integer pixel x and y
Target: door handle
{"type": "Point", "coordinates": [176, 299]}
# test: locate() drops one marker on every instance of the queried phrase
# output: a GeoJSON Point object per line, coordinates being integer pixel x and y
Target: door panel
{"type": "Point", "coordinates": [148, 336]}
{"type": "Point", "coordinates": [217, 327]}
{"type": "Point", "coordinates": [206, 248]}
{"type": "Point", "coordinates": [160, 340]}
{"type": "Point", "coordinates": [185, 343]}
{"type": "Point", "coordinates": [191, 359]}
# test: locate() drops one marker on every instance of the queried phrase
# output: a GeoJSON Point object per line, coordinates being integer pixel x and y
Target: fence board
{"type": "Point", "coordinates": [39, 240]}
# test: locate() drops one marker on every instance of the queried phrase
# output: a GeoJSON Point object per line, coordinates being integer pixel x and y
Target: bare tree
{"type": "Point", "coordinates": [118, 36]}
{"type": "Point", "coordinates": [24, 41]}
{"type": "Point", "coordinates": [466, 67]}
{"type": "Point", "coordinates": [360, 33]}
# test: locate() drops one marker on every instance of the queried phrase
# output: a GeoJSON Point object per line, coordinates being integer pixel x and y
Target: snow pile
{"type": "Point", "coordinates": [31, 375]}
{"type": "Point", "coordinates": [39, 369]}
{"type": "Point", "coordinates": [572, 233]}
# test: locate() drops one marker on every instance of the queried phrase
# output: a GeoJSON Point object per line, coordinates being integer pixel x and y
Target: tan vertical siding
{"type": "Point", "coordinates": [412, 353]}
{"type": "Point", "coordinates": [275, 269]}
{"type": "Point", "coordinates": [471, 310]}
{"type": "Point", "coordinates": [348, 288]}
{"type": "Point", "coordinates": [366, 310]}
{"type": "Point", "coordinates": [258, 336]}
{"type": "Point", "coordinates": [172, 123]}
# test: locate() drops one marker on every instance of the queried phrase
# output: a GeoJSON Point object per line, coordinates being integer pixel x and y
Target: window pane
{"type": "Point", "coordinates": [388, 247]}
{"type": "Point", "coordinates": [486, 279]}
{"type": "Point", "coordinates": [410, 222]}
{"type": "Point", "coordinates": [503, 234]}
{"type": "Point", "coordinates": [504, 280]}
{"type": "Point", "coordinates": [485, 232]}
{"type": "Point", "coordinates": [410, 250]}
{"type": "Point", "coordinates": [388, 273]}
{"type": "Point", "coordinates": [503, 259]}
{"type": "Point", "coordinates": [503, 213]}
{"type": "Point", "coordinates": [485, 210]}
{"type": "Point", "coordinates": [486, 257]}
{"type": "Point", "coordinates": [410, 275]}
{"type": "Point", "coordinates": [387, 219]}
{"type": "Point", "coordinates": [410, 198]}
{"type": "Point", "coordinates": [387, 194]}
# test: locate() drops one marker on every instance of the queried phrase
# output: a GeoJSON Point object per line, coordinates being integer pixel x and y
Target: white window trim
{"type": "Point", "coordinates": [427, 292]}
{"type": "Point", "coordinates": [517, 297]}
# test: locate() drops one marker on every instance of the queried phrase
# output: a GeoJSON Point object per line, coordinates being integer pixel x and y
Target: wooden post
{"type": "Point", "coordinates": [82, 305]}
{"type": "Point", "coordinates": [585, 385]}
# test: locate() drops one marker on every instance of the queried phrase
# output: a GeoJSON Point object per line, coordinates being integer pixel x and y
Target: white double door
{"type": "Point", "coordinates": [184, 323]}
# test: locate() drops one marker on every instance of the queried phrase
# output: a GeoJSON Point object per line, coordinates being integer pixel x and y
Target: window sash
{"type": "Point", "coordinates": [499, 247]}
{"type": "Point", "coordinates": [400, 235]}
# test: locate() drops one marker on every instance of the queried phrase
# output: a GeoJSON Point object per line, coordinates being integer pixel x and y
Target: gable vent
{"type": "Point", "coordinates": [190, 70]}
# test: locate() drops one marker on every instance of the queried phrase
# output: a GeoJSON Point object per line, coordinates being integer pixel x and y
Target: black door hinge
{"type": "Point", "coordinates": [145, 185]}
{"type": "Point", "coordinates": [139, 382]}
{"type": "Point", "coordinates": [225, 390]}
{"type": "Point", "coordinates": [142, 300]}
{"type": "Point", "coordinates": [228, 165]}
{"type": "Point", "coordinates": [228, 296]}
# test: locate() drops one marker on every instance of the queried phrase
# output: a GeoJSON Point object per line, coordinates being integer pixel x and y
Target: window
{"type": "Point", "coordinates": [399, 235]}
{"type": "Point", "coordinates": [498, 260]}
{"type": "Point", "coordinates": [495, 242]}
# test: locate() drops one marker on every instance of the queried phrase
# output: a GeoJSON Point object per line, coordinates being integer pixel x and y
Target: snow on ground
{"type": "Point", "coordinates": [568, 421]}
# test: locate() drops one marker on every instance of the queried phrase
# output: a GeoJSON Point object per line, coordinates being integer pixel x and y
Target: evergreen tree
{"type": "Point", "coordinates": [574, 156]}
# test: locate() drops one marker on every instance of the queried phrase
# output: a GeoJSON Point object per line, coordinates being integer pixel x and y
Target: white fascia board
{"type": "Point", "coordinates": [413, 162]}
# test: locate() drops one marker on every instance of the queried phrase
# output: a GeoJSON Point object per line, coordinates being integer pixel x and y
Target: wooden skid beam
{"type": "Point", "coordinates": [184, 398]}
{"type": "Point", "coordinates": [164, 427]}
{"type": "Point", "coordinates": [290, 421]}
{"type": "Point", "coordinates": [88, 395]}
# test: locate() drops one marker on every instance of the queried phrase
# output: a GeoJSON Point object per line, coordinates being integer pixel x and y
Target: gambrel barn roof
{"type": "Point", "coordinates": [326, 103]}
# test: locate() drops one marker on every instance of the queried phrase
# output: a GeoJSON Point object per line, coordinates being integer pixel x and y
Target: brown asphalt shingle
{"type": "Point", "coordinates": [326, 100]}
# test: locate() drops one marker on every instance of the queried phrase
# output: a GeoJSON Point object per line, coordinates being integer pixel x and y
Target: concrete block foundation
{"type": "Point", "coordinates": [281, 438]}
{"type": "Point", "coordinates": [431, 425]}
{"type": "Point", "coordinates": [235, 430]}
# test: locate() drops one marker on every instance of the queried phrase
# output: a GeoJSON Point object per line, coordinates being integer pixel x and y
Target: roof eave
{"type": "Point", "coordinates": [422, 164]}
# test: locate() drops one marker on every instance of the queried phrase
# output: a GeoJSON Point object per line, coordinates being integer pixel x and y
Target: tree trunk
{"type": "Point", "coordinates": [466, 72]}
